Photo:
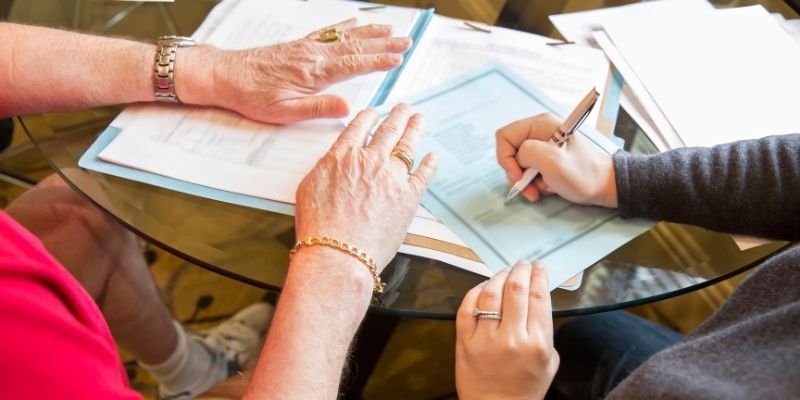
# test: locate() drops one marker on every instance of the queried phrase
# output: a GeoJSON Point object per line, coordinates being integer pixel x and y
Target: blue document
{"type": "Point", "coordinates": [468, 192]}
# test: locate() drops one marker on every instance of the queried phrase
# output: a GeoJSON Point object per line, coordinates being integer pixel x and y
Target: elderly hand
{"type": "Point", "coordinates": [281, 83]}
{"type": "Point", "coordinates": [577, 171]}
{"type": "Point", "coordinates": [361, 194]}
{"type": "Point", "coordinates": [511, 358]}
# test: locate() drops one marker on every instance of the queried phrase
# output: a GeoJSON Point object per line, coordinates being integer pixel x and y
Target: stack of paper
{"type": "Point", "coordinates": [220, 155]}
{"type": "Point", "coordinates": [696, 76]}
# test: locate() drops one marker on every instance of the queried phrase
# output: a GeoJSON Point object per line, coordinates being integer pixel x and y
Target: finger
{"type": "Point", "coordinates": [389, 131]}
{"type": "Point", "coordinates": [367, 46]}
{"type": "Point", "coordinates": [542, 156]}
{"type": "Point", "coordinates": [510, 137]}
{"type": "Point", "coordinates": [339, 26]}
{"type": "Point", "coordinates": [540, 314]}
{"type": "Point", "coordinates": [511, 166]}
{"type": "Point", "coordinates": [355, 134]}
{"type": "Point", "coordinates": [515, 299]}
{"type": "Point", "coordinates": [343, 68]}
{"type": "Point", "coordinates": [531, 193]}
{"type": "Point", "coordinates": [408, 141]}
{"type": "Point", "coordinates": [465, 321]}
{"type": "Point", "coordinates": [423, 176]}
{"type": "Point", "coordinates": [319, 106]}
{"type": "Point", "coordinates": [491, 299]}
{"type": "Point", "coordinates": [542, 186]}
{"type": "Point", "coordinates": [370, 31]}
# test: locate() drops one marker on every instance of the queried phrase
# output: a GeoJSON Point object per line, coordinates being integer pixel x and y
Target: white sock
{"type": "Point", "coordinates": [191, 368]}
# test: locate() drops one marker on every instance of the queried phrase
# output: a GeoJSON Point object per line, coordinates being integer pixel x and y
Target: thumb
{"type": "Point", "coordinates": [542, 156]}
{"type": "Point", "coordinates": [319, 106]}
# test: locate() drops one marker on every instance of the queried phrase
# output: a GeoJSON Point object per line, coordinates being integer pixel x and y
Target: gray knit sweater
{"type": "Point", "coordinates": [749, 349]}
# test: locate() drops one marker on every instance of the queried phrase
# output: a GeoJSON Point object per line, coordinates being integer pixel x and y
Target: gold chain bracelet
{"type": "Point", "coordinates": [347, 248]}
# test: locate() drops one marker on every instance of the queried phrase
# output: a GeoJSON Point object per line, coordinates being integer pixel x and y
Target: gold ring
{"type": "Point", "coordinates": [406, 157]}
{"type": "Point", "coordinates": [329, 35]}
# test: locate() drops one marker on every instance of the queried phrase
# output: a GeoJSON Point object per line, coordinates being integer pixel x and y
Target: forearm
{"type": "Point", "coordinates": [325, 297]}
{"type": "Point", "coordinates": [749, 187]}
{"type": "Point", "coordinates": [43, 69]}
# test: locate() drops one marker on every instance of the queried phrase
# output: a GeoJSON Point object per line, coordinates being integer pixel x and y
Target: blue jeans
{"type": "Point", "coordinates": [598, 351]}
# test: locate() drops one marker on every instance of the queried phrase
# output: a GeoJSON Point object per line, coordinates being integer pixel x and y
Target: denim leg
{"type": "Point", "coordinates": [598, 351]}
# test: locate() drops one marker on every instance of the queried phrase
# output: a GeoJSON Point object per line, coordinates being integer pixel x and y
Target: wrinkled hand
{"type": "Point", "coordinates": [577, 171]}
{"type": "Point", "coordinates": [282, 83]}
{"type": "Point", "coordinates": [361, 194]}
{"type": "Point", "coordinates": [512, 358]}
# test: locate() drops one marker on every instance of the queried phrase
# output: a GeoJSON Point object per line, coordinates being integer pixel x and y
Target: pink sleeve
{"type": "Point", "coordinates": [54, 341]}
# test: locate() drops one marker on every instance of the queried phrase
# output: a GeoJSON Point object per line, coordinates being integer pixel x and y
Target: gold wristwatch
{"type": "Point", "coordinates": [164, 79]}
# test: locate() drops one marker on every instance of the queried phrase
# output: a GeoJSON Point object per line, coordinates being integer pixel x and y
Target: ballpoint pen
{"type": "Point", "coordinates": [563, 132]}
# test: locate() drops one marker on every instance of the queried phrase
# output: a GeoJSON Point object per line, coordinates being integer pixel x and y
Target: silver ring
{"type": "Point", "coordinates": [478, 314]}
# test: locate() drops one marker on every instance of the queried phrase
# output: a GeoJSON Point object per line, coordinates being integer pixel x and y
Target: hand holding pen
{"type": "Point", "coordinates": [561, 135]}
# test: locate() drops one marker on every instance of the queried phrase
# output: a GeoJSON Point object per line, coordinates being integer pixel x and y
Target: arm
{"type": "Point", "coordinates": [325, 297]}
{"type": "Point", "coordinates": [364, 197]}
{"type": "Point", "coordinates": [750, 187]}
{"type": "Point", "coordinates": [44, 69]}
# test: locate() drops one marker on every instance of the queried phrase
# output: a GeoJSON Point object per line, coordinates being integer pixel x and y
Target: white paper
{"type": "Point", "coordinates": [723, 76]}
{"type": "Point", "coordinates": [578, 26]}
{"type": "Point", "coordinates": [665, 137]}
{"type": "Point", "coordinates": [223, 150]}
{"type": "Point", "coordinates": [449, 48]}
{"type": "Point", "coordinates": [792, 26]}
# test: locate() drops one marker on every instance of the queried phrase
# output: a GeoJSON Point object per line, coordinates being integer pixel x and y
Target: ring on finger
{"type": "Point", "coordinates": [329, 35]}
{"type": "Point", "coordinates": [405, 157]}
{"type": "Point", "coordinates": [480, 314]}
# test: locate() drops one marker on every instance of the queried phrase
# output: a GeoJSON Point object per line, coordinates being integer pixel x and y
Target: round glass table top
{"type": "Point", "coordinates": [252, 245]}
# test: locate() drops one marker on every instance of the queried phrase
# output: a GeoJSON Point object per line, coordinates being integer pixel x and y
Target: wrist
{"type": "Point", "coordinates": [330, 270]}
{"type": "Point", "coordinates": [608, 190]}
{"type": "Point", "coordinates": [195, 75]}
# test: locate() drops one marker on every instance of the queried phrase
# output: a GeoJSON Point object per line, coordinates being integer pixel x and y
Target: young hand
{"type": "Point", "coordinates": [512, 358]}
{"type": "Point", "coordinates": [282, 83]}
{"type": "Point", "coordinates": [577, 171]}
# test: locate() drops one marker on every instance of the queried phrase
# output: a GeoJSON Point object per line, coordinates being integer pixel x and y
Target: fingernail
{"type": "Point", "coordinates": [508, 269]}
{"type": "Point", "coordinates": [406, 41]}
{"type": "Point", "coordinates": [395, 58]}
{"type": "Point", "coordinates": [538, 265]}
{"type": "Point", "coordinates": [482, 284]}
{"type": "Point", "coordinates": [523, 262]}
{"type": "Point", "coordinates": [528, 197]}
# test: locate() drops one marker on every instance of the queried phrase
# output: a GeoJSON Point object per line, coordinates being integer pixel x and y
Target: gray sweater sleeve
{"type": "Point", "coordinates": [750, 187]}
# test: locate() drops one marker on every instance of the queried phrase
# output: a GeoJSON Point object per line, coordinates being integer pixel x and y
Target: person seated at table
{"type": "Point", "coordinates": [748, 349]}
{"type": "Point", "coordinates": [56, 334]}
{"type": "Point", "coordinates": [55, 337]}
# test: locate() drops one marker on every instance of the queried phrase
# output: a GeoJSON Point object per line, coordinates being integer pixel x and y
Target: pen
{"type": "Point", "coordinates": [563, 132]}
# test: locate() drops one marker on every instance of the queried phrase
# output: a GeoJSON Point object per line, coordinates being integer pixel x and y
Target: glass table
{"type": "Point", "coordinates": [251, 245]}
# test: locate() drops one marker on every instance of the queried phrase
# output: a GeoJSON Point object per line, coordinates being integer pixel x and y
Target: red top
{"type": "Point", "coordinates": [54, 342]}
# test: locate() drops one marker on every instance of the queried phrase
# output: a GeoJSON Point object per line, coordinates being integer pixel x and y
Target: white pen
{"type": "Point", "coordinates": [567, 128]}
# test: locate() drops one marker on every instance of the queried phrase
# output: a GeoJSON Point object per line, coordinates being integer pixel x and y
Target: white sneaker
{"type": "Point", "coordinates": [234, 345]}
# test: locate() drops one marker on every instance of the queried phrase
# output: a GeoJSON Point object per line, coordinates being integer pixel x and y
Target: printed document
{"type": "Point", "coordinates": [450, 49]}
{"type": "Point", "coordinates": [468, 192]}
{"type": "Point", "coordinates": [221, 149]}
